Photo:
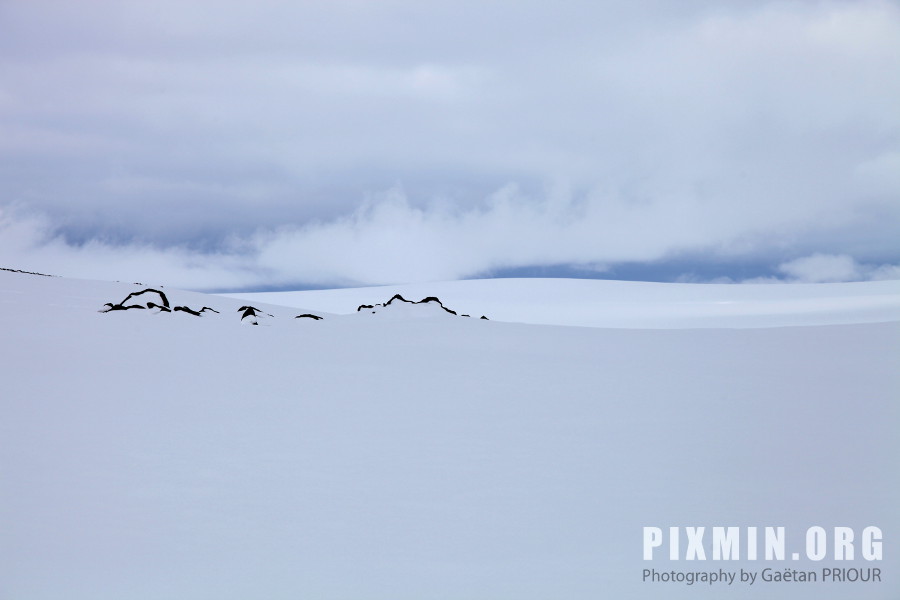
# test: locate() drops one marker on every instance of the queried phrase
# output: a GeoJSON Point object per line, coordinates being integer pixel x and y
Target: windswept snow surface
{"type": "Point", "coordinates": [630, 305]}
{"type": "Point", "coordinates": [166, 456]}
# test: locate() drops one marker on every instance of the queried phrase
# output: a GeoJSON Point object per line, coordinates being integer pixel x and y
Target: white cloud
{"type": "Point", "coordinates": [389, 240]}
{"type": "Point", "coordinates": [831, 268]}
{"type": "Point", "coordinates": [752, 130]}
{"type": "Point", "coordinates": [28, 243]}
{"type": "Point", "coordinates": [822, 268]}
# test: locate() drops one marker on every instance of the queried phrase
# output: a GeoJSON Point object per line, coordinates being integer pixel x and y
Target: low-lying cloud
{"type": "Point", "coordinates": [830, 268]}
{"type": "Point", "coordinates": [389, 240]}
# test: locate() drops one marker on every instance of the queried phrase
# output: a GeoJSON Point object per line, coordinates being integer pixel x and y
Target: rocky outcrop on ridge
{"type": "Point", "coordinates": [196, 313]}
{"type": "Point", "coordinates": [428, 300]}
{"type": "Point", "coordinates": [309, 316]}
{"type": "Point", "coordinates": [251, 315]}
{"type": "Point", "coordinates": [25, 272]}
{"type": "Point", "coordinates": [154, 299]}
{"type": "Point", "coordinates": [151, 299]}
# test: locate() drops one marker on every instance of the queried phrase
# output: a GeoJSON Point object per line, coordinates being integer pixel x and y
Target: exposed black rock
{"type": "Point", "coordinates": [196, 313]}
{"type": "Point", "coordinates": [113, 307]}
{"type": "Point", "coordinates": [251, 313]}
{"type": "Point", "coordinates": [400, 298]}
{"type": "Point", "coordinates": [309, 316]}
{"type": "Point", "coordinates": [122, 306]}
{"type": "Point", "coordinates": [162, 296]}
{"type": "Point", "coordinates": [154, 303]}
{"type": "Point", "coordinates": [26, 272]}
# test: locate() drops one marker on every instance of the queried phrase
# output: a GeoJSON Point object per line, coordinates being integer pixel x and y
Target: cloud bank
{"type": "Point", "coordinates": [219, 145]}
{"type": "Point", "coordinates": [388, 240]}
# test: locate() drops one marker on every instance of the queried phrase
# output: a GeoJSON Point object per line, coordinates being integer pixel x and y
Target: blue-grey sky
{"type": "Point", "coordinates": [227, 144]}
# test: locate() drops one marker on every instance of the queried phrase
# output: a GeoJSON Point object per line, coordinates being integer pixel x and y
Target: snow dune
{"type": "Point", "coordinates": [405, 455]}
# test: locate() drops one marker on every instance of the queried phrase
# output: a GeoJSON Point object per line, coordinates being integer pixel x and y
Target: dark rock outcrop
{"type": "Point", "coordinates": [26, 272]}
{"type": "Point", "coordinates": [162, 296]}
{"type": "Point", "coordinates": [161, 301]}
{"type": "Point", "coordinates": [158, 300]}
{"type": "Point", "coordinates": [251, 314]}
{"type": "Point", "coordinates": [427, 300]}
{"type": "Point", "coordinates": [196, 313]}
{"type": "Point", "coordinates": [309, 316]}
{"type": "Point", "coordinates": [113, 307]}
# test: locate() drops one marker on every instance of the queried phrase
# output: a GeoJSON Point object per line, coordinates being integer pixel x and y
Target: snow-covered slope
{"type": "Point", "coordinates": [148, 455]}
{"type": "Point", "coordinates": [630, 305]}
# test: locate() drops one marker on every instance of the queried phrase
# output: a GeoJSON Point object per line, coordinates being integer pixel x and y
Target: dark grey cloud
{"type": "Point", "coordinates": [275, 142]}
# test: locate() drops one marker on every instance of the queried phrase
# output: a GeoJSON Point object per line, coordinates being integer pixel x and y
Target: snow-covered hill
{"type": "Point", "coordinates": [622, 304]}
{"type": "Point", "coordinates": [147, 454]}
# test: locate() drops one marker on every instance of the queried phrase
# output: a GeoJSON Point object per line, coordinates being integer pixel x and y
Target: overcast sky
{"type": "Point", "coordinates": [232, 144]}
